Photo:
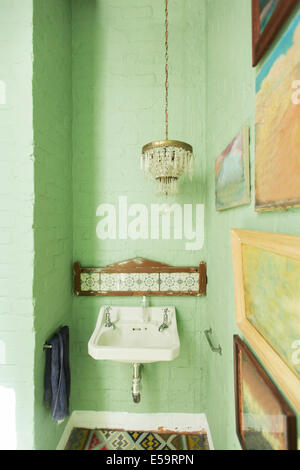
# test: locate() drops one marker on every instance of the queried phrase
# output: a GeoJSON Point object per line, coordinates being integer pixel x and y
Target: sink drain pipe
{"type": "Point", "coordinates": [136, 379]}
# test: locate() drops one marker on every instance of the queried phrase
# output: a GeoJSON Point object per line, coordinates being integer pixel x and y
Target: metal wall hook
{"type": "Point", "coordinates": [49, 346]}
{"type": "Point", "coordinates": [218, 349]}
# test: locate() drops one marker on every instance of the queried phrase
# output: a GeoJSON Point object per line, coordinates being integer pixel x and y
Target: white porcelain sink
{"type": "Point", "coordinates": [136, 337]}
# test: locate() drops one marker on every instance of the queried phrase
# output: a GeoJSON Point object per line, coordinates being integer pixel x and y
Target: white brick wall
{"type": "Point", "coordinates": [16, 219]}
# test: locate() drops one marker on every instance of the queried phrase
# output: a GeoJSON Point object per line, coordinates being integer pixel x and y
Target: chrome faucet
{"type": "Point", "coordinates": [145, 308]}
{"type": "Point", "coordinates": [108, 323]}
{"type": "Point", "coordinates": [164, 324]}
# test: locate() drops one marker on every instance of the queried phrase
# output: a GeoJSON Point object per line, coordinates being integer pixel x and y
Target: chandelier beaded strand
{"type": "Point", "coordinates": [166, 160]}
{"type": "Point", "coordinates": [166, 70]}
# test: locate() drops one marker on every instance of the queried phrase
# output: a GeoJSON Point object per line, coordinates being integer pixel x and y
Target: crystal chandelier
{"type": "Point", "coordinates": [167, 160]}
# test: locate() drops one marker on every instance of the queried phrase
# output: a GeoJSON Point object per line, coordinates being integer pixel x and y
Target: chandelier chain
{"type": "Point", "coordinates": [166, 68]}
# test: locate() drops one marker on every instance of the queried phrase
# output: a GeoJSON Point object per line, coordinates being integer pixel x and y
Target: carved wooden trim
{"type": "Point", "coordinates": [141, 267]}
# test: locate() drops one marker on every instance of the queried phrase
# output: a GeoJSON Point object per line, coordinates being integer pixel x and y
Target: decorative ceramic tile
{"type": "Point", "coordinates": [90, 281]}
{"type": "Point", "coordinates": [77, 439]}
{"type": "Point", "coordinates": [139, 282]}
{"type": "Point", "coordinates": [140, 276]}
{"type": "Point", "coordinates": [179, 282]}
{"type": "Point", "coordinates": [109, 439]}
{"type": "Point", "coordinates": [150, 442]}
{"type": "Point", "coordinates": [95, 442]}
{"type": "Point", "coordinates": [120, 440]}
{"type": "Point", "coordinates": [109, 282]}
{"type": "Point", "coordinates": [197, 442]}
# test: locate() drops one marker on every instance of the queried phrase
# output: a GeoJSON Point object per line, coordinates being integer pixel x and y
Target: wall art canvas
{"type": "Point", "coordinates": [232, 184]}
{"type": "Point", "coordinates": [272, 286]}
{"type": "Point", "coordinates": [277, 122]}
{"type": "Point", "coordinates": [268, 17]}
{"type": "Point", "coordinates": [264, 420]}
{"type": "Point", "coordinates": [266, 11]}
{"type": "Point", "coordinates": [267, 295]}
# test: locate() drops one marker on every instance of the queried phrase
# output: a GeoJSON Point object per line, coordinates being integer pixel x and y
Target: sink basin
{"type": "Point", "coordinates": [136, 337]}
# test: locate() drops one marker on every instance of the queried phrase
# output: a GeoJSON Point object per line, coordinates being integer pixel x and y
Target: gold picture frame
{"type": "Point", "coordinates": [266, 268]}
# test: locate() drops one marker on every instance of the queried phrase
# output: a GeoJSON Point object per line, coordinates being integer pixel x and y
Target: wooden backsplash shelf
{"type": "Point", "coordinates": [138, 277]}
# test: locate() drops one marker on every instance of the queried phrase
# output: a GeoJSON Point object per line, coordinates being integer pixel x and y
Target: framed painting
{"type": "Point", "coordinates": [264, 420]}
{"type": "Point", "coordinates": [277, 125]}
{"type": "Point", "coordinates": [266, 269]}
{"type": "Point", "coordinates": [232, 182]}
{"type": "Point", "coordinates": [268, 17]}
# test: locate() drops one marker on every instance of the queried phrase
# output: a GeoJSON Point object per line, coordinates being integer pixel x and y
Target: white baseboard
{"type": "Point", "coordinates": [158, 422]}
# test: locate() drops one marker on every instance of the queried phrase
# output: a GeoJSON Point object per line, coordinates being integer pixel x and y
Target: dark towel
{"type": "Point", "coordinates": [57, 375]}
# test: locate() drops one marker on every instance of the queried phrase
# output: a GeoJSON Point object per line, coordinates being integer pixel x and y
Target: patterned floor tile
{"type": "Point", "coordinates": [121, 441]}
{"type": "Point", "coordinates": [111, 439]}
{"type": "Point", "coordinates": [151, 442]}
{"type": "Point", "coordinates": [135, 435]}
{"type": "Point", "coordinates": [197, 442]}
{"type": "Point", "coordinates": [77, 439]}
{"type": "Point", "coordinates": [177, 441]}
{"type": "Point", "coordinates": [95, 441]}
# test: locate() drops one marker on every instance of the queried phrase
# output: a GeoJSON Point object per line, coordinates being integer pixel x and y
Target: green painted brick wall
{"type": "Point", "coordinates": [52, 124]}
{"type": "Point", "coordinates": [230, 105]}
{"type": "Point", "coordinates": [118, 106]}
{"type": "Point", "coordinates": [96, 84]}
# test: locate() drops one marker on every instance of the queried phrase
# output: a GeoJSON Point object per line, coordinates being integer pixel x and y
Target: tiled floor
{"type": "Point", "coordinates": [109, 439]}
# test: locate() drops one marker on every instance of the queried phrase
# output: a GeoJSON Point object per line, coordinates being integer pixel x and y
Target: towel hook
{"type": "Point", "coordinates": [218, 349]}
{"type": "Point", "coordinates": [49, 346]}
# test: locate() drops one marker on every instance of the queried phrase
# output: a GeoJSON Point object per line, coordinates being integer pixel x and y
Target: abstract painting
{"type": "Point", "coordinates": [268, 17]}
{"type": "Point", "coordinates": [272, 286]}
{"type": "Point", "coordinates": [267, 295]}
{"type": "Point", "coordinates": [277, 125]}
{"type": "Point", "coordinates": [232, 184]}
{"type": "Point", "coordinates": [266, 11]}
{"type": "Point", "coordinates": [264, 420]}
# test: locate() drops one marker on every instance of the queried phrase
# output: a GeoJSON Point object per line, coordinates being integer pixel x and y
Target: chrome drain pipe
{"type": "Point", "coordinates": [136, 379]}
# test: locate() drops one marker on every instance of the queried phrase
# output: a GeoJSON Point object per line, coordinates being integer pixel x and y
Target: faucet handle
{"type": "Point", "coordinates": [164, 324]}
{"type": "Point", "coordinates": [108, 323]}
{"type": "Point", "coordinates": [165, 320]}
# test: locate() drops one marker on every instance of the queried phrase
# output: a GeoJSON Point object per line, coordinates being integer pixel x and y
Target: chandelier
{"type": "Point", "coordinates": [167, 160]}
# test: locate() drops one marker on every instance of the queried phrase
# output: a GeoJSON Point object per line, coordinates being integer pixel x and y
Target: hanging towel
{"type": "Point", "coordinates": [57, 375]}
